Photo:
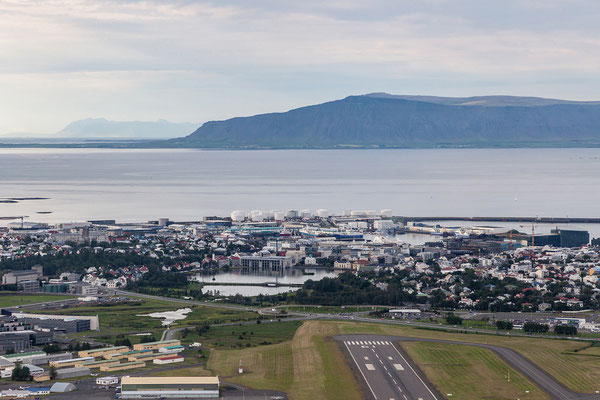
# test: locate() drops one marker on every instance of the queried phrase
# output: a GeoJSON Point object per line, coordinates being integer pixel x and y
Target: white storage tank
{"type": "Point", "coordinates": [386, 212]}
{"type": "Point", "coordinates": [371, 213]}
{"type": "Point", "coordinates": [163, 221]}
{"type": "Point", "coordinates": [346, 213]}
{"type": "Point", "coordinates": [322, 213]}
{"type": "Point", "coordinates": [238, 216]}
{"type": "Point", "coordinates": [306, 213]}
{"type": "Point", "coordinates": [279, 216]}
{"type": "Point", "coordinates": [257, 216]}
{"type": "Point", "coordinates": [356, 213]}
{"type": "Point", "coordinates": [269, 214]}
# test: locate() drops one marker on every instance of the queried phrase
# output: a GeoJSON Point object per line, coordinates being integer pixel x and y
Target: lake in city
{"type": "Point", "coordinates": [230, 281]}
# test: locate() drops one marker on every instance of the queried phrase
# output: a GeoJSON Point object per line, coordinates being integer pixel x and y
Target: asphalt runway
{"type": "Point", "coordinates": [386, 371]}
{"type": "Point", "coordinates": [374, 381]}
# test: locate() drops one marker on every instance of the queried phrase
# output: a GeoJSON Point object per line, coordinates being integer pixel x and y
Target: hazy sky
{"type": "Point", "coordinates": [204, 60]}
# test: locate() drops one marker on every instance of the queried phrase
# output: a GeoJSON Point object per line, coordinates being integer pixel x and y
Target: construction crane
{"type": "Point", "coordinates": [532, 232]}
{"type": "Point", "coordinates": [22, 217]}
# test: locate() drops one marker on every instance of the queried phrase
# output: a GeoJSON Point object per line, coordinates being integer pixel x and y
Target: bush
{"type": "Point", "coordinates": [565, 330]}
{"type": "Point", "coordinates": [453, 319]}
{"type": "Point", "coordinates": [534, 327]}
{"type": "Point", "coordinates": [504, 325]}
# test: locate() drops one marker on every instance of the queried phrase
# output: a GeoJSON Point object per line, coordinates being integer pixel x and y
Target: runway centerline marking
{"type": "Point", "coordinates": [363, 375]}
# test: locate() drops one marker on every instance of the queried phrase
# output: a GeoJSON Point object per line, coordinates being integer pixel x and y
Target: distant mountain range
{"type": "Point", "coordinates": [100, 128]}
{"type": "Point", "coordinates": [384, 120]}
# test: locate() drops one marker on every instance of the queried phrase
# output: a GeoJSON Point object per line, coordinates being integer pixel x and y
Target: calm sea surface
{"type": "Point", "coordinates": [139, 185]}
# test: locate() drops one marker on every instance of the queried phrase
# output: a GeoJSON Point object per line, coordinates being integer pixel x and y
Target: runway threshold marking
{"type": "Point", "coordinates": [414, 372]}
{"type": "Point", "coordinates": [399, 367]}
{"type": "Point", "coordinates": [363, 375]}
{"type": "Point", "coordinates": [370, 367]}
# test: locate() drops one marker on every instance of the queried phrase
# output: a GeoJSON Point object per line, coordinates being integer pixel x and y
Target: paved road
{"type": "Point", "coordinates": [386, 371]}
{"type": "Point", "coordinates": [530, 370]}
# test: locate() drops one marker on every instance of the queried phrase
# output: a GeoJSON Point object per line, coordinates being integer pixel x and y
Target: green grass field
{"type": "Point", "coordinates": [470, 373]}
{"type": "Point", "coordinates": [246, 335]}
{"type": "Point", "coordinates": [128, 318]}
{"type": "Point", "coordinates": [11, 299]}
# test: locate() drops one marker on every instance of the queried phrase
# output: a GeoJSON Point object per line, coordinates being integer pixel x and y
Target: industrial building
{"type": "Point", "coordinates": [168, 359]}
{"type": "Point", "coordinates": [16, 277]}
{"type": "Point", "coordinates": [100, 363]}
{"type": "Point", "coordinates": [72, 372]}
{"type": "Point", "coordinates": [171, 349]}
{"type": "Point", "coordinates": [101, 352]}
{"type": "Point", "coordinates": [169, 387]}
{"type": "Point", "coordinates": [156, 345]}
{"type": "Point", "coordinates": [74, 362]}
{"type": "Point", "coordinates": [66, 323]}
{"type": "Point", "coordinates": [123, 366]}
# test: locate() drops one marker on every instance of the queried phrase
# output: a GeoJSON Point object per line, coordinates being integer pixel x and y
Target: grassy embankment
{"type": "Point", "coordinates": [11, 299]}
{"type": "Point", "coordinates": [128, 319]}
{"type": "Point", "coordinates": [245, 335]}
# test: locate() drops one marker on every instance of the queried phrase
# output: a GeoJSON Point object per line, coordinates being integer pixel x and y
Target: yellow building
{"type": "Point", "coordinates": [122, 367]}
{"type": "Point", "coordinates": [144, 356]}
{"type": "Point", "coordinates": [98, 364]}
{"type": "Point", "coordinates": [74, 362]}
{"type": "Point", "coordinates": [102, 351]}
{"type": "Point", "coordinates": [156, 345]}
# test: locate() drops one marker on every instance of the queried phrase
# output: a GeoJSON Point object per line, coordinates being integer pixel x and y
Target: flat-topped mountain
{"type": "Point", "coordinates": [101, 128]}
{"type": "Point", "coordinates": [383, 120]}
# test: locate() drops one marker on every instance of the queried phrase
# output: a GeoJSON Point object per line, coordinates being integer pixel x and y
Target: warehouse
{"type": "Point", "coordinates": [67, 323]}
{"type": "Point", "coordinates": [122, 367]}
{"type": "Point", "coordinates": [102, 351]}
{"type": "Point", "coordinates": [72, 372]}
{"type": "Point", "coordinates": [74, 362]}
{"type": "Point", "coordinates": [145, 357]}
{"type": "Point", "coordinates": [98, 364]}
{"type": "Point", "coordinates": [156, 345]}
{"type": "Point", "coordinates": [168, 359]}
{"type": "Point", "coordinates": [171, 349]}
{"type": "Point", "coordinates": [189, 387]}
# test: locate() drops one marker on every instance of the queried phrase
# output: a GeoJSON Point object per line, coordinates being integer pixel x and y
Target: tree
{"type": "Point", "coordinates": [20, 373]}
{"type": "Point", "coordinates": [51, 348]}
{"type": "Point", "coordinates": [123, 342]}
{"type": "Point", "coordinates": [148, 339]}
{"type": "Point", "coordinates": [533, 327]}
{"type": "Point", "coordinates": [453, 319]}
{"type": "Point", "coordinates": [565, 330]}
{"type": "Point", "coordinates": [504, 325]}
{"type": "Point", "coordinates": [52, 372]}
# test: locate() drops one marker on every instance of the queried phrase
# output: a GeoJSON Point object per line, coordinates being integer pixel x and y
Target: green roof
{"type": "Point", "coordinates": [159, 342]}
{"type": "Point", "coordinates": [100, 362]}
{"type": "Point", "coordinates": [104, 349]}
{"type": "Point", "coordinates": [31, 353]}
{"type": "Point", "coordinates": [129, 363]}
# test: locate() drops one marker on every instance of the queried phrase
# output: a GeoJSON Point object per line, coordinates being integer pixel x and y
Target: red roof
{"type": "Point", "coordinates": [170, 357]}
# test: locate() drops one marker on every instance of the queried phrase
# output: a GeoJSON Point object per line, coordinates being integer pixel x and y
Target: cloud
{"type": "Point", "coordinates": [200, 60]}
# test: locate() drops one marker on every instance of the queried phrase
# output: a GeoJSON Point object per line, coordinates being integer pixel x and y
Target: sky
{"type": "Point", "coordinates": [197, 61]}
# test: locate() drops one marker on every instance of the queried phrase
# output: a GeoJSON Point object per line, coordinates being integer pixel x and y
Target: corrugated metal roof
{"type": "Point", "coordinates": [172, 380]}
